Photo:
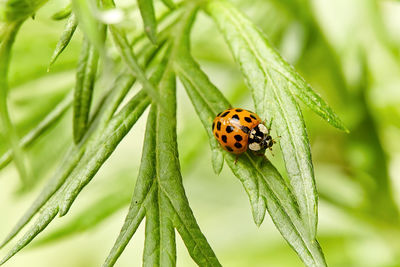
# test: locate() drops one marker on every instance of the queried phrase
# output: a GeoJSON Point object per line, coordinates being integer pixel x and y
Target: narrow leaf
{"type": "Point", "coordinates": [19, 10]}
{"type": "Point", "coordinates": [149, 19]}
{"type": "Point", "coordinates": [169, 3]}
{"type": "Point", "coordinates": [63, 13]}
{"type": "Point", "coordinates": [145, 191]}
{"type": "Point", "coordinates": [273, 100]}
{"type": "Point", "coordinates": [168, 173]}
{"type": "Point", "coordinates": [208, 101]}
{"type": "Point", "coordinates": [65, 38]}
{"type": "Point", "coordinates": [93, 29]}
{"type": "Point", "coordinates": [48, 121]}
{"type": "Point", "coordinates": [315, 102]}
{"type": "Point", "coordinates": [87, 167]}
{"type": "Point", "coordinates": [192, 77]}
{"type": "Point", "coordinates": [101, 149]}
{"type": "Point", "coordinates": [106, 108]}
{"type": "Point", "coordinates": [85, 78]}
{"type": "Point", "coordinates": [113, 98]}
{"type": "Point", "coordinates": [259, 44]}
{"type": "Point", "coordinates": [262, 182]}
{"type": "Point", "coordinates": [187, 73]}
{"type": "Point", "coordinates": [259, 176]}
{"type": "Point", "coordinates": [132, 63]}
{"type": "Point", "coordinates": [167, 231]}
{"type": "Point", "coordinates": [113, 133]}
{"type": "Point", "coordinates": [46, 217]}
{"type": "Point", "coordinates": [151, 251]}
{"type": "Point", "coordinates": [93, 215]}
{"type": "Point", "coordinates": [6, 44]}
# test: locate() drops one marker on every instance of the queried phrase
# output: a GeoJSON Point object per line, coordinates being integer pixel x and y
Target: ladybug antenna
{"type": "Point", "coordinates": [270, 124]}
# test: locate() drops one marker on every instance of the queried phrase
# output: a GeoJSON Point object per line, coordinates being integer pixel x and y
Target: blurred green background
{"type": "Point", "coordinates": [349, 51]}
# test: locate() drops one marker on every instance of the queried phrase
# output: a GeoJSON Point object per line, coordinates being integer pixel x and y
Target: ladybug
{"type": "Point", "coordinates": [237, 129]}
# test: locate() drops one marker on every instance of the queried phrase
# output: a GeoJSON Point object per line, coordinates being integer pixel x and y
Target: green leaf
{"type": "Point", "coordinates": [70, 161]}
{"type": "Point", "coordinates": [65, 38]}
{"type": "Point", "coordinates": [85, 11]}
{"type": "Point", "coordinates": [270, 83]}
{"type": "Point", "coordinates": [169, 178]}
{"type": "Point", "coordinates": [90, 162]}
{"type": "Point", "coordinates": [292, 80]}
{"type": "Point", "coordinates": [49, 121]}
{"type": "Point", "coordinates": [167, 206]}
{"type": "Point", "coordinates": [93, 215]}
{"type": "Point", "coordinates": [145, 191]}
{"type": "Point", "coordinates": [194, 79]}
{"type": "Point", "coordinates": [167, 231]}
{"type": "Point", "coordinates": [208, 101]}
{"type": "Point", "coordinates": [132, 63]}
{"type": "Point", "coordinates": [85, 79]}
{"type": "Point", "coordinates": [99, 151]}
{"type": "Point", "coordinates": [106, 108]}
{"type": "Point", "coordinates": [262, 181]}
{"type": "Point", "coordinates": [63, 13]}
{"type": "Point", "coordinates": [264, 185]}
{"type": "Point", "coordinates": [6, 44]}
{"type": "Point", "coordinates": [45, 218]}
{"type": "Point", "coordinates": [151, 251]}
{"type": "Point", "coordinates": [169, 3]}
{"type": "Point", "coordinates": [19, 10]}
{"type": "Point", "coordinates": [149, 19]}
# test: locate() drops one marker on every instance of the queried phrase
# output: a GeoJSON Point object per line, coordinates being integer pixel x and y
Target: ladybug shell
{"type": "Point", "coordinates": [232, 127]}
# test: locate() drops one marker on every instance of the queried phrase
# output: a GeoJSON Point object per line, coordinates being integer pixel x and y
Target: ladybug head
{"type": "Point", "coordinates": [259, 138]}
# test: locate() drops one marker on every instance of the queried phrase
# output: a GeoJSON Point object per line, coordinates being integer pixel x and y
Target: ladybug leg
{"type": "Point", "coordinates": [236, 159]}
{"type": "Point", "coordinates": [274, 140]}
{"type": "Point", "coordinates": [270, 149]}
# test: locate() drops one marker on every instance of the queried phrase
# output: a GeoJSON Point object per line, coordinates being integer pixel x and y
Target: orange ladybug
{"type": "Point", "coordinates": [238, 129]}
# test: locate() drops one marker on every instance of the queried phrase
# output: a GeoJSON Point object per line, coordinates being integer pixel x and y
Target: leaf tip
{"type": "Point", "coordinates": [151, 34]}
{"type": "Point", "coordinates": [217, 159]}
{"type": "Point", "coordinates": [340, 125]}
{"type": "Point", "coordinates": [63, 210]}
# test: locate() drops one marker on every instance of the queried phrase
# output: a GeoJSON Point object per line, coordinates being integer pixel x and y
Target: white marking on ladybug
{"type": "Point", "coordinates": [263, 129]}
{"type": "Point", "coordinates": [255, 146]}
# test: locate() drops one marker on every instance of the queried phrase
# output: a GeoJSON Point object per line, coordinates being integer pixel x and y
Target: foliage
{"type": "Point", "coordinates": [116, 57]}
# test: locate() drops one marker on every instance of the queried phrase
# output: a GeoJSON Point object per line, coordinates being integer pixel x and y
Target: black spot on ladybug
{"type": "Point", "coordinates": [254, 117]}
{"type": "Point", "coordinates": [247, 119]}
{"type": "Point", "coordinates": [238, 145]}
{"type": "Point", "coordinates": [219, 126]}
{"type": "Point", "coordinates": [238, 110]}
{"type": "Point", "coordinates": [238, 137]}
{"type": "Point", "coordinates": [229, 148]}
{"type": "Point", "coordinates": [217, 135]}
{"type": "Point", "coordinates": [226, 113]}
{"type": "Point", "coordinates": [229, 129]}
{"type": "Point", "coordinates": [213, 126]}
{"type": "Point", "coordinates": [235, 117]}
{"type": "Point", "coordinates": [224, 138]}
{"type": "Point", "coordinates": [219, 114]}
{"type": "Point", "coordinates": [245, 129]}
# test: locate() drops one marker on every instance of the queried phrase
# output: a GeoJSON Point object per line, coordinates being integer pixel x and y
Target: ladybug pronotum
{"type": "Point", "coordinates": [238, 129]}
